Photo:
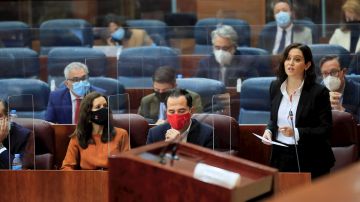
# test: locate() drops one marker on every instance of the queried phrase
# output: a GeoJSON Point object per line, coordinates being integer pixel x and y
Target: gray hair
{"type": "Point", "coordinates": [225, 31]}
{"type": "Point", "coordinates": [75, 65]}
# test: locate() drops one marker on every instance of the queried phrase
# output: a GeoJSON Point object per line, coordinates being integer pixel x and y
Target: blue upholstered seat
{"type": "Point", "coordinates": [264, 65]}
{"type": "Point", "coordinates": [255, 101]}
{"type": "Point", "coordinates": [156, 29]}
{"type": "Point", "coordinates": [15, 34]}
{"type": "Point", "coordinates": [19, 63]}
{"type": "Point", "coordinates": [65, 33]}
{"type": "Point", "coordinates": [26, 96]}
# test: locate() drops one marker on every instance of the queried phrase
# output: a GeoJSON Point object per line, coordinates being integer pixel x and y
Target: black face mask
{"type": "Point", "coordinates": [100, 116]}
{"type": "Point", "coordinates": [162, 96]}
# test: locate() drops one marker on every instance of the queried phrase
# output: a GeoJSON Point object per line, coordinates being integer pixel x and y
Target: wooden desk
{"type": "Point", "coordinates": [54, 186]}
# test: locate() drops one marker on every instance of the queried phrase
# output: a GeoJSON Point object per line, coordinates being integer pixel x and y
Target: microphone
{"type": "Point", "coordinates": [173, 147]}
{"type": "Point", "coordinates": [295, 143]}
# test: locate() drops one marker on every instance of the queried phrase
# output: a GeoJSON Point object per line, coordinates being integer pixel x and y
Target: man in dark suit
{"type": "Point", "coordinates": [64, 103]}
{"type": "Point", "coordinates": [277, 35]}
{"type": "Point", "coordinates": [344, 93]}
{"type": "Point", "coordinates": [226, 64]}
{"type": "Point", "coordinates": [13, 140]}
{"type": "Point", "coordinates": [180, 126]}
{"type": "Point", "coordinates": [152, 106]}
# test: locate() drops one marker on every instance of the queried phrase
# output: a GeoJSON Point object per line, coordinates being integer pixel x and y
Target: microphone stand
{"type": "Point", "coordinates": [173, 146]}
{"type": "Point", "coordinates": [295, 143]}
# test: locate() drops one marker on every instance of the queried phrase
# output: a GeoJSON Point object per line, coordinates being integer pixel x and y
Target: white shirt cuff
{"type": "Point", "coordinates": [297, 137]}
{"type": "Point", "coordinates": [2, 150]}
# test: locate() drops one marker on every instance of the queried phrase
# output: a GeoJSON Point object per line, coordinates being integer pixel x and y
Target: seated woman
{"type": "Point", "coordinates": [118, 33]}
{"type": "Point", "coordinates": [94, 139]}
{"type": "Point", "coordinates": [14, 139]}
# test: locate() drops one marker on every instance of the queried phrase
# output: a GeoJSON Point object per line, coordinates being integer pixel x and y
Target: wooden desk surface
{"type": "Point", "coordinates": [54, 186]}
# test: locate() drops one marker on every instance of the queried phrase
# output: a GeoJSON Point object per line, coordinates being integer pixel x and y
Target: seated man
{"type": "Point", "coordinates": [179, 123]}
{"type": "Point", "coordinates": [274, 39]}
{"type": "Point", "coordinates": [344, 93]}
{"type": "Point", "coordinates": [14, 139]}
{"type": "Point", "coordinates": [152, 106]}
{"type": "Point", "coordinates": [226, 64]}
{"type": "Point", "coordinates": [64, 103]}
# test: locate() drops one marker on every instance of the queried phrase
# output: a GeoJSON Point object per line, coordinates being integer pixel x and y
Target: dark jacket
{"type": "Point", "coordinates": [351, 98]}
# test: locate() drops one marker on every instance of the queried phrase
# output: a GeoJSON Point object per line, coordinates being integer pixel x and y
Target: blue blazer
{"type": "Point", "coordinates": [199, 133]}
{"type": "Point", "coordinates": [59, 109]}
{"type": "Point", "coordinates": [313, 121]}
{"type": "Point", "coordinates": [18, 140]}
{"type": "Point", "coordinates": [351, 98]}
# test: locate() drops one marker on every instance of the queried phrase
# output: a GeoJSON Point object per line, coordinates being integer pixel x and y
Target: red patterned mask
{"type": "Point", "coordinates": [178, 121]}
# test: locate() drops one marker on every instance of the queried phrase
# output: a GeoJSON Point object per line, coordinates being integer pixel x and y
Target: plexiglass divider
{"type": "Point", "coordinates": [221, 119]}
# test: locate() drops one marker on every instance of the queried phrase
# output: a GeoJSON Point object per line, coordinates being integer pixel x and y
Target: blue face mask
{"type": "Point", "coordinates": [283, 18]}
{"type": "Point", "coordinates": [81, 88]}
{"type": "Point", "coordinates": [118, 35]}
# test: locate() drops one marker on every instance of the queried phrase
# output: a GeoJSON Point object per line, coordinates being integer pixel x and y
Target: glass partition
{"type": "Point", "coordinates": [20, 141]}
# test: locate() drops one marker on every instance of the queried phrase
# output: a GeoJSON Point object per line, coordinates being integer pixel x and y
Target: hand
{"type": "Point", "coordinates": [267, 135]}
{"type": "Point", "coordinates": [160, 121]}
{"type": "Point", "coordinates": [110, 42]}
{"type": "Point", "coordinates": [335, 101]}
{"type": "Point", "coordinates": [287, 131]}
{"type": "Point", "coordinates": [4, 129]}
{"type": "Point", "coordinates": [171, 134]}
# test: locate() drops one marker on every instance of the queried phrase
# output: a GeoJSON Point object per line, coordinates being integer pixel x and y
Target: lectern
{"type": "Point", "coordinates": [138, 175]}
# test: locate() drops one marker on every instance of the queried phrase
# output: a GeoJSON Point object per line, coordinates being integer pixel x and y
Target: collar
{"type": "Point", "coordinates": [297, 91]}
{"type": "Point", "coordinates": [280, 29]}
{"type": "Point", "coordinates": [186, 132]}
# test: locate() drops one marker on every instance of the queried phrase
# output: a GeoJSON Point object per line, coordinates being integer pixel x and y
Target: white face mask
{"type": "Point", "coordinates": [223, 57]}
{"type": "Point", "coordinates": [283, 19]}
{"type": "Point", "coordinates": [332, 83]}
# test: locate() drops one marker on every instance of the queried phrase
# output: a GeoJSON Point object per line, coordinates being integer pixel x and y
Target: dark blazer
{"type": "Point", "coordinates": [18, 140]}
{"type": "Point", "coordinates": [313, 121]}
{"type": "Point", "coordinates": [242, 66]}
{"type": "Point", "coordinates": [59, 109]}
{"type": "Point", "coordinates": [199, 133]}
{"type": "Point", "coordinates": [351, 98]}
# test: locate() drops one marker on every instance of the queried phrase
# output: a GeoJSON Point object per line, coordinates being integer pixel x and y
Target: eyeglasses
{"type": "Point", "coordinates": [77, 79]}
{"type": "Point", "coordinates": [334, 72]}
{"type": "Point", "coordinates": [224, 48]}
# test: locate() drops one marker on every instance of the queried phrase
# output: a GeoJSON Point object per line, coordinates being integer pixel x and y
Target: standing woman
{"type": "Point", "coordinates": [296, 93]}
{"type": "Point", "coordinates": [94, 138]}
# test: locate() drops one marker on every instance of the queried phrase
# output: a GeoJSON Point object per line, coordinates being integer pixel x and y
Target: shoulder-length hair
{"type": "Point", "coordinates": [84, 127]}
{"type": "Point", "coordinates": [309, 74]}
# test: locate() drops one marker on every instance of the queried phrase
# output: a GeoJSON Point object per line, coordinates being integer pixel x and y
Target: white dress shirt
{"type": "Point", "coordinates": [288, 102]}
{"type": "Point", "coordinates": [279, 32]}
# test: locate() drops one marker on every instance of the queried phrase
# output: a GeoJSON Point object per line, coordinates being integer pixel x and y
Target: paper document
{"type": "Point", "coordinates": [271, 142]}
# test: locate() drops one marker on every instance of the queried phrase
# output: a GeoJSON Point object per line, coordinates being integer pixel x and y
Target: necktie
{"type": "Point", "coordinates": [77, 110]}
{"type": "Point", "coordinates": [282, 41]}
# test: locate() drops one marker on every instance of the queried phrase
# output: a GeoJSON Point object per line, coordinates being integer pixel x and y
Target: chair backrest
{"type": "Point", "coordinates": [15, 34]}
{"type": "Point", "coordinates": [353, 77]}
{"type": "Point", "coordinates": [321, 50]}
{"type": "Point", "coordinates": [263, 56]}
{"type": "Point", "coordinates": [59, 58]}
{"type": "Point", "coordinates": [344, 140]}
{"type": "Point", "coordinates": [181, 25]}
{"type": "Point", "coordinates": [141, 62]}
{"type": "Point", "coordinates": [255, 101]}
{"type": "Point", "coordinates": [19, 92]}
{"type": "Point", "coordinates": [206, 88]}
{"type": "Point", "coordinates": [44, 141]}
{"type": "Point", "coordinates": [19, 63]}
{"type": "Point", "coordinates": [65, 32]}
{"type": "Point", "coordinates": [226, 130]}
{"type": "Point", "coordinates": [204, 27]}
{"type": "Point", "coordinates": [156, 29]}
{"type": "Point", "coordinates": [136, 125]}
{"type": "Point", "coordinates": [354, 66]}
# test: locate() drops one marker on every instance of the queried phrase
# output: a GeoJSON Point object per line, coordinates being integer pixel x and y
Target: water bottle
{"type": "Point", "coordinates": [12, 115]}
{"type": "Point", "coordinates": [16, 164]}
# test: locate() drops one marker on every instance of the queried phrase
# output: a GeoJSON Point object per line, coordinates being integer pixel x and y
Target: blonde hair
{"type": "Point", "coordinates": [352, 6]}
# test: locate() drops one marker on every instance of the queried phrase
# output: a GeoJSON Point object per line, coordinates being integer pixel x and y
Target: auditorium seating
{"type": "Point", "coordinates": [19, 63]}
{"type": "Point", "coordinates": [181, 25]}
{"type": "Point", "coordinates": [206, 88]}
{"type": "Point", "coordinates": [15, 34]}
{"type": "Point", "coordinates": [255, 101]}
{"type": "Point", "coordinates": [344, 140]}
{"type": "Point", "coordinates": [44, 141]}
{"type": "Point", "coordinates": [226, 131]}
{"type": "Point", "coordinates": [262, 56]}
{"type": "Point", "coordinates": [156, 29]}
{"type": "Point", "coordinates": [321, 50]}
{"type": "Point", "coordinates": [204, 27]}
{"type": "Point", "coordinates": [136, 125]}
{"type": "Point", "coordinates": [65, 33]}
{"type": "Point", "coordinates": [354, 67]}
{"type": "Point", "coordinates": [136, 66]}
{"type": "Point", "coordinates": [29, 97]}
{"type": "Point", "coordinates": [59, 58]}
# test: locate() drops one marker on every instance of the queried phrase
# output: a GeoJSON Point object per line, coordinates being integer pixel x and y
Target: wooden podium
{"type": "Point", "coordinates": [138, 175]}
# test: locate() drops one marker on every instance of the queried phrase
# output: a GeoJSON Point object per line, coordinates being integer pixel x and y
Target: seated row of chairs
{"type": "Point", "coordinates": [50, 148]}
